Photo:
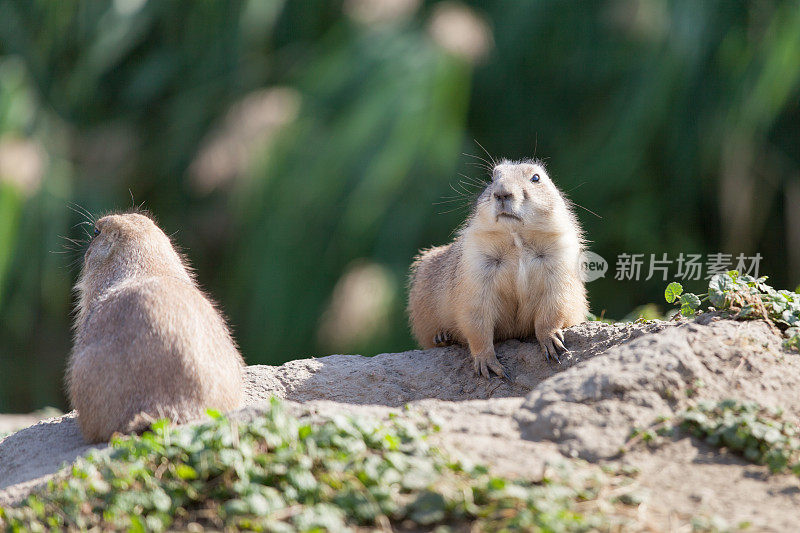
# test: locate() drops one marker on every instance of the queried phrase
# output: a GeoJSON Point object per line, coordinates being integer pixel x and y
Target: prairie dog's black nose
{"type": "Point", "coordinates": [502, 195]}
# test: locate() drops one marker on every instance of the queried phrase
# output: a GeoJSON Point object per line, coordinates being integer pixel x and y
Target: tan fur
{"type": "Point", "coordinates": [512, 272]}
{"type": "Point", "coordinates": [148, 343]}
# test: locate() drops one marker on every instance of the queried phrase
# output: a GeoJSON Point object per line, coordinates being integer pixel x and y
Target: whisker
{"type": "Point", "coordinates": [451, 210]}
{"type": "Point", "coordinates": [74, 265]}
{"type": "Point", "coordinates": [73, 241]}
{"type": "Point", "coordinates": [472, 179]}
{"type": "Point", "coordinates": [494, 162]}
{"type": "Point", "coordinates": [587, 209]}
{"type": "Point", "coordinates": [576, 187]}
{"type": "Point", "coordinates": [454, 200]}
{"type": "Point", "coordinates": [83, 211]}
{"type": "Point", "coordinates": [466, 191]}
{"type": "Point", "coordinates": [466, 181]}
{"type": "Point", "coordinates": [80, 207]}
{"type": "Point", "coordinates": [483, 166]}
{"type": "Point", "coordinates": [477, 157]}
{"type": "Point", "coordinates": [472, 183]}
{"type": "Point", "coordinates": [460, 193]}
{"type": "Point", "coordinates": [475, 187]}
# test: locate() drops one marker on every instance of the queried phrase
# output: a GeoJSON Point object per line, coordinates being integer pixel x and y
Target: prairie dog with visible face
{"type": "Point", "coordinates": [148, 344]}
{"type": "Point", "coordinates": [512, 272]}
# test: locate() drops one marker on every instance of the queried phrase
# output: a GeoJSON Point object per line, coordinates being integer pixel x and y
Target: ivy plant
{"type": "Point", "coordinates": [744, 297]}
{"type": "Point", "coordinates": [285, 473]}
{"type": "Point", "coordinates": [759, 434]}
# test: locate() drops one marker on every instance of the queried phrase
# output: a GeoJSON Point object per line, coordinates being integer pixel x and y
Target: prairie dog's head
{"type": "Point", "coordinates": [522, 196]}
{"type": "Point", "coordinates": [130, 244]}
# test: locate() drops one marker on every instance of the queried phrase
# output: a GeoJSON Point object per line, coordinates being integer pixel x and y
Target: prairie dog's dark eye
{"type": "Point", "coordinates": [535, 178]}
{"type": "Point", "coordinates": [96, 231]}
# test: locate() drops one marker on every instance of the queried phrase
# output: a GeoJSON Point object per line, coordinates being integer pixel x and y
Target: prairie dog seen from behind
{"type": "Point", "coordinates": [512, 272]}
{"type": "Point", "coordinates": [148, 343]}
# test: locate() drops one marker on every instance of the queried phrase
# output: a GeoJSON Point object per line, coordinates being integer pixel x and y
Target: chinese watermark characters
{"type": "Point", "coordinates": [636, 267]}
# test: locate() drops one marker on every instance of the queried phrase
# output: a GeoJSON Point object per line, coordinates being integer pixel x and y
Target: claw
{"type": "Point", "coordinates": [500, 370]}
{"type": "Point", "coordinates": [553, 348]}
{"type": "Point", "coordinates": [442, 338]}
{"type": "Point", "coordinates": [550, 352]}
{"type": "Point", "coordinates": [559, 346]}
{"type": "Point", "coordinates": [484, 364]}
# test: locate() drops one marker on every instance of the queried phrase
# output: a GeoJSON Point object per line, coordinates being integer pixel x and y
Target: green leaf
{"type": "Point", "coordinates": [497, 483]}
{"type": "Point", "coordinates": [793, 338]}
{"type": "Point", "coordinates": [236, 507]}
{"type": "Point", "coordinates": [791, 317]}
{"type": "Point", "coordinates": [719, 288]}
{"type": "Point", "coordinates": [213, 413]}
{"type": "Point", "coordinates": [672, 291]}
{"type": "Point", "coordinates": [160, 425]}
{"type": "Point", "coordinates": [428, 508]}
{"type": "Point", "coordinates": [160, 500]}
{"type": "Point", "coordinates": [184, 471]}
{"type": "Point", "coordinates": [691, 300]}
{"type": "Point", "coordinates": [258, 504]}
{"type": "Point", "coordinates": [136, 526]}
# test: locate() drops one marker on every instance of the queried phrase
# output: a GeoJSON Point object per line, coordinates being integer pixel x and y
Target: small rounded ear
{"type": "Point", "coordinates": [99, 251]}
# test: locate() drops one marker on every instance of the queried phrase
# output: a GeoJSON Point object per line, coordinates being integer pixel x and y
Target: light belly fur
{"type": "Point", "coordinates": [517, 284]}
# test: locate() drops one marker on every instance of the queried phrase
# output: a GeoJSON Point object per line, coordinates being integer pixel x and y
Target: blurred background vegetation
{"type": "Point", "coordinates": [298, 151]}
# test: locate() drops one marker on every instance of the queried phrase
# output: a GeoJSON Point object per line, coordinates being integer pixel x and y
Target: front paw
{"type": "Point", "coordinates": [486, 362]}
{"type": "Point", "coordinates": [553, 346]}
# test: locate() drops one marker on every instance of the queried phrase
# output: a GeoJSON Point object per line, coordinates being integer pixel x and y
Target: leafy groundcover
{"type": "Point", "coordinates": [744, 297]}
{"type": "Point", "coordinates": [752, 431]}
{"type": "Point", "coordinates": [284, 473]}
{"type": "Point", "coordinates": [757, 433]}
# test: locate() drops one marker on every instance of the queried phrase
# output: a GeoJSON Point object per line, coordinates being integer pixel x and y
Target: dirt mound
{"type": "Point", "coordinates": [589, 410]}
{"type": "Point", "coordinates": [394, 379]}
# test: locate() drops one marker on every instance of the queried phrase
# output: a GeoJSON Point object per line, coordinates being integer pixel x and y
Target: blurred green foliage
{"type": "Point", "coordinates": [297, 150]}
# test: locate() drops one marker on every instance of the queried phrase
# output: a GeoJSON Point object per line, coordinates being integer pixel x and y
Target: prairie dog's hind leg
{"type": "Point", "coordinates": [443, 338]}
